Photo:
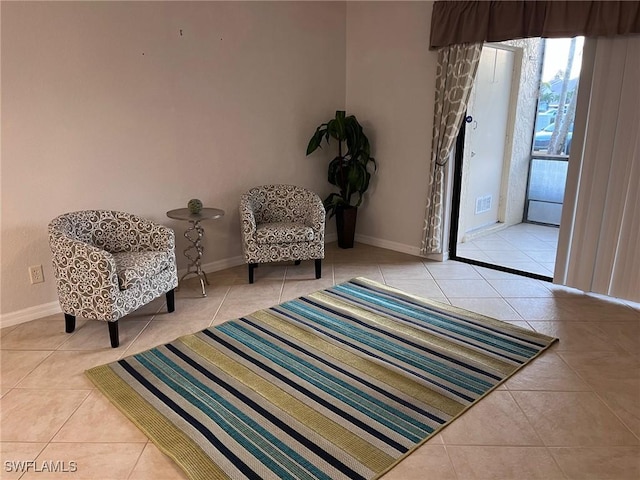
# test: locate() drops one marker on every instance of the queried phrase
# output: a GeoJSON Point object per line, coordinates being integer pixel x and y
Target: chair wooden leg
{"type": "Point", "coordinates": [69, 323]}
{"type": "Point", "coordinates": [113, 334]}
{"type": "Point", "coordinates": [298, 262]}
{"type": "Point", "coordinates": [318, 267]}
{"type": "Point", "coordinates": [252, 266]}
{"type": "Point", "coordinates": [171, 302]}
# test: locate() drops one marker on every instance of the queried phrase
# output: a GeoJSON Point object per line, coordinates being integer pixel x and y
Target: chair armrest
{"type": "Point", "coordinates": [247, 218]}
{"type": "Point", "coordinates": [316, 215]}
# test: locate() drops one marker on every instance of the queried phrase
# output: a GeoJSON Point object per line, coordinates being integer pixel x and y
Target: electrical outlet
{"type": "Point", "coordinates": [35, 274]}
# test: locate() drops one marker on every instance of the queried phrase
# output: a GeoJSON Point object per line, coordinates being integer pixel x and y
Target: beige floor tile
{"type": "Point", "coordinates": [615, 379]}
{"type": "Point", "coordinates": [35, 415]}
{"type": "Point", "coordinates": [16, 364]}
{"type": "Point", "coordinates": [503, 463]}
{"type": "Point", "coordinates": [625, 334]}
{"type": "Point", "coordinates": [541, 308]}
{"type": "Point", "coordinates": [105, 461]}
{"type": "Point", "coordinates": [94, 334]}
{"type": "Point", "coordinates": [576, 336]}
{"type": "Point", "coordinates": [299, 288]}
{"type": "Point", "coordinates": [493, 307]}
{"type": "Point", "coordinates": [65, 369]}
{"type": "Point", "coordinates": [625, 404]}
{"type": "Point", "coordinates": [598, 309]}
{"type": "Point", "coordinates": [155, 465]}
{"type": "Point", "coordinates": [584, 392]}
{"type": "Point", "coordinates": [163, 331]}
{"type": "Point", "coordinates": [452, 271]}
{"type": "Point", "coordinates": [6, 330]}
{"type": "Point", "coordinates": [14, 457]}
{"type": "Point", "coordinates": [599, 463]}
{"type": "Point", "coordinates": [231, 309]}
{"type": "Point", "coordinates": [602, 370]}
{"type": "Point", "coordinates": [526, 288]}
{"type": "Point", "coordinates": [307, 271]}
{"type": "Point", "coordinates": [490, 274]}
{"type": "Point", "coordinates": [547, 372]}
{"type": "Point", "coordinates": [190, 303]}
{"type": "Point", "coordinates": [265, 289]}
{"type": "Point", "coordinates": [268, 271]}
{"type": "Point", "coordinates": [406, 271]}
{"type": "Point", "coordinates": [573, 419]}
{"type": "Point", "coordinates": [97, 420]}
{"type": "Point", "coordinates": [43, 334]}
{"type": "Point", "coordinates": [429, 461]}
{"type": "Point", "coordinates": [466, 288]}
{"type": "Point", "coordinates": [426, 288]}
{"type": "Point", "coordinates": [494, 420]}
{"type": "Point", "coordinates": [345, 272]}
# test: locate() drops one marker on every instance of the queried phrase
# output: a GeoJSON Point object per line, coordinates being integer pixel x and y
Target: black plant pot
{"type": "Point", "coordinates": [346, 225]}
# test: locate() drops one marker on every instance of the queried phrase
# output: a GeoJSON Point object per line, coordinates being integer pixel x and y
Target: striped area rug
{"type": "Point", "coordinates": [342, 383]}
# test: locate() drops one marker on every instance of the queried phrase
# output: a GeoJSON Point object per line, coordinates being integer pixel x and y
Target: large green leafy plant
{"type": "Point", "coordinates": [349, 170]}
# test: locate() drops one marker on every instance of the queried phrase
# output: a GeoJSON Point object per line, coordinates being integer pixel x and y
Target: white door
{"type": "Point", "coordinates": [485, 139]}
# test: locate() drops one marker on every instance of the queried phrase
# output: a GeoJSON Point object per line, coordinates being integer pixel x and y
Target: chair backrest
{"type": "Point", "coordinates": [106, 229]}
{"type": "Point", "coordinates": [280, 203]}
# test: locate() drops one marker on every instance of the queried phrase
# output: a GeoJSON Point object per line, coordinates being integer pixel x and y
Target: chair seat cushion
{"type": "Point", "coordinates": [132, 267]}
{"type": "Point", "coordinates": [283, 232]}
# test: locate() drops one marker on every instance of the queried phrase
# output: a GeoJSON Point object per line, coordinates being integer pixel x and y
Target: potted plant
{"type": "Point", "coordinates": [349, 171]}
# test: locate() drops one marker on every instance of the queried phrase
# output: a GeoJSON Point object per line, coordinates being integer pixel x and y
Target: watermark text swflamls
{"type": "Point", "coordinates": [53, 466]}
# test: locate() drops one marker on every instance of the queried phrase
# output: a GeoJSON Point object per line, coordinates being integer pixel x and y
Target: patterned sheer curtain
{"type": "Point", "coordinates": [457, 66]}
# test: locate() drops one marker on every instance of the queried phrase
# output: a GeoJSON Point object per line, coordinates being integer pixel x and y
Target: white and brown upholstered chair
{"type": "Point", "coordinates": [282, 223]}
{"type": "Point", "coordinates": [107, 264]}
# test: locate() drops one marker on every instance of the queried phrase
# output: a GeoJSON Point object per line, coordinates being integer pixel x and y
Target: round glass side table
{"type": "Point", "coordinates": [194, 234]}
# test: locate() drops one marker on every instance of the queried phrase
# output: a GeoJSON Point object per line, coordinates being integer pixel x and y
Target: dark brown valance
{"type": "Point", "coordinates": [456, 22]}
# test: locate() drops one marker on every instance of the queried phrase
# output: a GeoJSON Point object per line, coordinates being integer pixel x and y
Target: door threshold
{"type": "Point", "coordinates": [501, 268]}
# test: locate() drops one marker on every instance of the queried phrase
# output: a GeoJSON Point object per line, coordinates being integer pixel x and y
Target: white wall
{"type": "Point", "coordinates": [108, 105]}
{"type": "Point", "coordinates": [391, 89]}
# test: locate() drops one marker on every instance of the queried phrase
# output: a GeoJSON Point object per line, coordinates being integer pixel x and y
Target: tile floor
{"type": "Point", "coordinates": [573, 413]}
{"type": "Point", "coordinates": [525, 246]}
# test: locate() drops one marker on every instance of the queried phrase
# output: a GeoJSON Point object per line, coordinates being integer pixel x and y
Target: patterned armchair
{"type": "Point", "coordinates": [281, 223]}
{"type": "Point", "coordinates": [107, 264]}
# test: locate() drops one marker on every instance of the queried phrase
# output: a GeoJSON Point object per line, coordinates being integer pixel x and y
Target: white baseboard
{"type": "Point", "coordinates": [28, 314]}
{"type": "Point", "coordinates": [46, 309]}
{"type": "Point", "coordinates": [438, 257]}
{"type": "Point", "coordinates": [218, 265]}
{"type": "Point", "coordinates": [395, 246]}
